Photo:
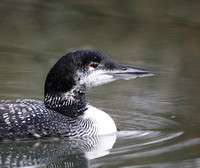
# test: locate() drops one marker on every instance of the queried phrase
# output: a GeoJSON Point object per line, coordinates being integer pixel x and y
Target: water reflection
{"type": "Point", "coordinates": [62, 153]}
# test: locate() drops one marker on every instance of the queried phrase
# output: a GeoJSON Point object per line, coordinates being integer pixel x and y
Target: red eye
{"type": "Point", "coordinates": [94, 65]}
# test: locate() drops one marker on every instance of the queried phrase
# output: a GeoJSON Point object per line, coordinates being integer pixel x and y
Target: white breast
{"type": "Point", "coordinates": [105, 124]}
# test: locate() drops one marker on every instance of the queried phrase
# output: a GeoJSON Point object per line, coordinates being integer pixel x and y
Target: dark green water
{"type": "Point", "coordinates": [158, 117]}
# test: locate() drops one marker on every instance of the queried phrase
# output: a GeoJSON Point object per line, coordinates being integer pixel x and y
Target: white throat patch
{"type": "Point", "coordinates": [96, 78]}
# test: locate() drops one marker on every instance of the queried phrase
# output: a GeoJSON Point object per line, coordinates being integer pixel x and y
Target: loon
{"type": "Point", "coordinates": [65, 112]}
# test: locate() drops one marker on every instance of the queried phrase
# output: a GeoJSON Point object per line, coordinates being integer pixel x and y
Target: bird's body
{"type": "Point", "coordinates": [65, 111]}
{"type": "Point", "coordinates": [30, 119]}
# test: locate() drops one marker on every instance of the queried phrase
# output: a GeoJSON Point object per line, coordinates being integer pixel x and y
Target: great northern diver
{"type": "Point", "coordinates": [65, 112]}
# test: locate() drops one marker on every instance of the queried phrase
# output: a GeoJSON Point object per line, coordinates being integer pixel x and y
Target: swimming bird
{"type": "Point", "coordinates": [65, 112]}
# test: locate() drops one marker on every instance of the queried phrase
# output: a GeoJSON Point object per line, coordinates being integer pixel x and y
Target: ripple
{"type": "Point", "coordinates": [142, 140]}
{"type": "Point", "coordinates": [141, 148]}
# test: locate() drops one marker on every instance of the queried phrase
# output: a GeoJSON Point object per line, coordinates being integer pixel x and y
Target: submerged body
{"type": "Point", "coordinates": [65, 112]}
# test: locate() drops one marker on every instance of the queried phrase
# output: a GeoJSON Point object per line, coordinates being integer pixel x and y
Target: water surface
{"type": "Point", "coordinates": [158, 117]}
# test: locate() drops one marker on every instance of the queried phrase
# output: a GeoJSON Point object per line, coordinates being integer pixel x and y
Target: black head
{"type": "Point", "coordinates": [70, 70]}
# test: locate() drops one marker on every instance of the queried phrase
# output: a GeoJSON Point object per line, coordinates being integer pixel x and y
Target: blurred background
{"type": "Point", "coordinates": [163, 36]}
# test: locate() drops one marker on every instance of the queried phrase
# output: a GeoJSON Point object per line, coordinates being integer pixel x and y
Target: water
{"type": "Point", "coordinates": [157, 117]}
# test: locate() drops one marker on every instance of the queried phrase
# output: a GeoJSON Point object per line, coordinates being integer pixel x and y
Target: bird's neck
{"type": "Point", "coordinates": [72, 103]}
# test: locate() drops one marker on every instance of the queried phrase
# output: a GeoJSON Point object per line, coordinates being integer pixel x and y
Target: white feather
{"type": "Point", "coordinates": [105, 124]}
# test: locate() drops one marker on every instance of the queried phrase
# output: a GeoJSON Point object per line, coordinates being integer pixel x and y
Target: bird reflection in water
{"type": "Point", "coordinates": [69, 153]}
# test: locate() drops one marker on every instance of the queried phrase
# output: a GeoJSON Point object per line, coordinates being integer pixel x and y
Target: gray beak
{"type": "Point", "coordinates": [129, 72]}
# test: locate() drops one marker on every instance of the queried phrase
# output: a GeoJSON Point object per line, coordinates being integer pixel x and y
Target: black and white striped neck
{"type": "Point", "coordinates": [71, 104]}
